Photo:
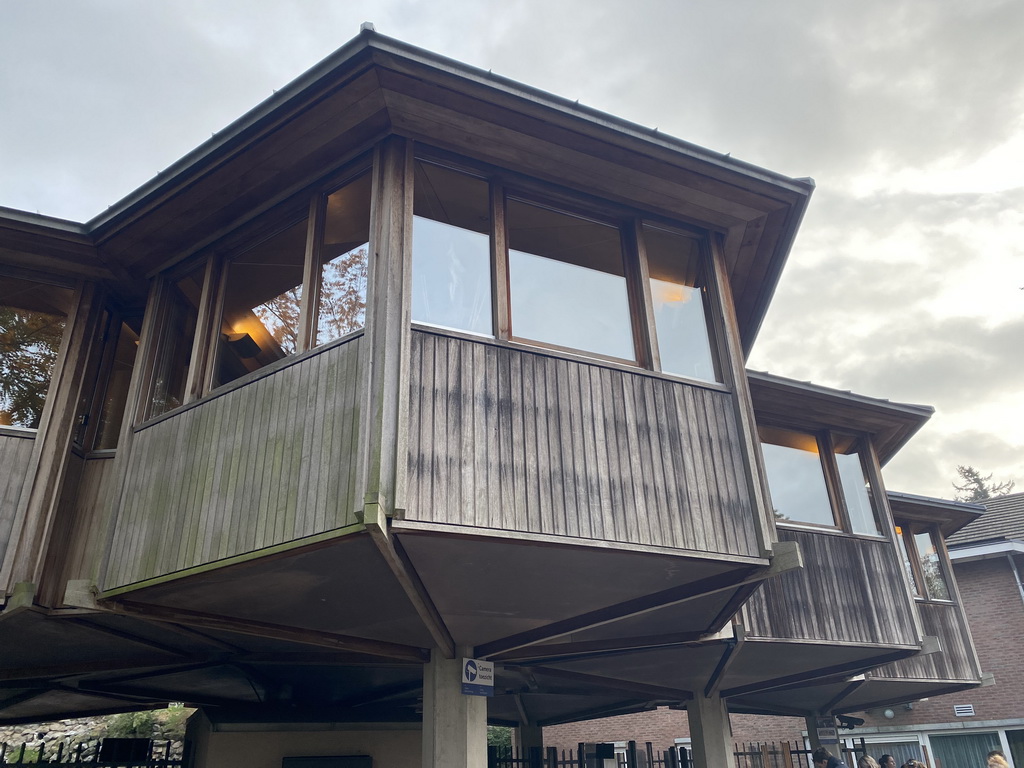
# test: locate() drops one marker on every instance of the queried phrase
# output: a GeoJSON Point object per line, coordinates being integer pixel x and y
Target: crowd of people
{"type": "Point", "coordinates": [822, 758]}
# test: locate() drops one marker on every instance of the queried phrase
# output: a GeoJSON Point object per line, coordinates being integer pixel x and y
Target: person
{"type": "Point", "coordinates": [997, 760]}
{"type": "Point", "coordinates": [822, 758]}
{"type": "Point", "coordinates": [867, 762]}
{"type": "Point", "coordinates": [887, 761]}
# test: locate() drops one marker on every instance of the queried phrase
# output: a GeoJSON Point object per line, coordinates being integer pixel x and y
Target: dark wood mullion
{"type": "Point", "coordinates": [309, 309]}
{"type": "Point", "coordinates": [140, 392]}
{"type": "Point", "coordinates": [206, 344]}
{"type": "Point", "coordinates": [638, 280]}
{"type": "Point", "coordinates": [827, 449]}
{"type": "Point", "coordinates": [501, 302]}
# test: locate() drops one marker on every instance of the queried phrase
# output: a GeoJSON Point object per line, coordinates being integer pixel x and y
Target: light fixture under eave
{"type": "Point", "coordinates": [242, 344]}
{"type": "Point", "coordinates": [889, 714]}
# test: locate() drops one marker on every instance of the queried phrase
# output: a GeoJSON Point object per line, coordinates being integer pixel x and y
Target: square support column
{"type": "Point", "coordinates": [454, 725]}
{"type": "Point", "coordinates": [710, 732]}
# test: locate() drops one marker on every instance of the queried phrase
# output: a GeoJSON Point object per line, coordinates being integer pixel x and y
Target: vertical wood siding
{"type": "Point", "coordinates": [954, 662]}
{"type": "Point", "coordinates": [264, 464]}
{"type": "Point", "coordinates": [522, 441]}
{"type": "Point", "coordinates": [15, 455]}
{"type": "Point", "coordinates": [849, 589]}
{"type": "Point", "coordinates": [80, 530]}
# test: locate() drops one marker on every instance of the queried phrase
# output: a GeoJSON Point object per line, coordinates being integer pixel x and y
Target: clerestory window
{"type": "Point", "coordinates": [921, 546]}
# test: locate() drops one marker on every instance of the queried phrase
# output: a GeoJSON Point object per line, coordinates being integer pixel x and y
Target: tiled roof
{"type": "Point", "coordinates": [1003, 519]}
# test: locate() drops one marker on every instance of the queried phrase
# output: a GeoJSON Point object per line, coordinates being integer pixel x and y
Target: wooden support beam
{"type": "Point", "coordinates": [549, 652]}
{"type": "Point", "coordinates": [788, 558]}
{"type": "Point", "coordinates": [132, 638]}
{"type": "Point", "coordinates": [652, 692]}
{"type": "Point", "coordinates": [817, 674]}
{"type": "Point", "coordinates": [729, 654]}
{"type": "Point", "coordinates": [854, 683]}
{"type": "Point", "coordinates": [261, 629]}
{"type": "Point", "coordinates": [87, 668]}
{"type": "Point", "coordinates": [403, 570]}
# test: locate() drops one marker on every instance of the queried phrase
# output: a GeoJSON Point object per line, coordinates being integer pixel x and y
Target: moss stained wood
{"type": "Point", "coordinates": [955, 660]}
{"type": "Point", "coordinates": [849, 590]}
{"type": "Point", "coordinates": [241, 472]}
{"type": "Point", "coordinates": [548, 468]}
{"type": "Point", "coordinates": [15, 456]}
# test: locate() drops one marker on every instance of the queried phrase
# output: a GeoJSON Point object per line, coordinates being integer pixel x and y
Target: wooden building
{"type": "Point", "coordinates": [409, 364]}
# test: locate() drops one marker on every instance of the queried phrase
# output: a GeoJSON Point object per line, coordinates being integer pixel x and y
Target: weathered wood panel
{"type": "Point", "coordinates": [266, 463]}
{"type": "Point", "coordinates": [526, 441]}
{"type": "Point", "coordinates": [15, 456]}
{"type": "Point", "coordinates": [849, 590]}
{"type": "Point", "coordinates": [82, 524]}
{"type": "Point", "coordinates": [956, 660]}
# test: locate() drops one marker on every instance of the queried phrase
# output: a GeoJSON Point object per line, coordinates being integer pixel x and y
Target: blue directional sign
{"type": "Point", "coordinates": [477, 677]}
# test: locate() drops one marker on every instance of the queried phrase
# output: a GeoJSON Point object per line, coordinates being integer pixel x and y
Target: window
{"type": "Point", "coordinates": [497, 263]}
{"type": "Point", "coordinates": [32, 320]}
{"type": "Point", "coordinates": [451, 252]}
{"type": "Point", "coordinates": [818, 479]}
{"type": "Point", "coordinates": [288, 282]}
{"type": "Point", "coordinates": [920, 546]}
{"type": "Point", "coordinates": [567, 282]}
{"type": "Point", "coordinates": [963, 749]}
{"type": "Point", "coordinates": [102, 406]}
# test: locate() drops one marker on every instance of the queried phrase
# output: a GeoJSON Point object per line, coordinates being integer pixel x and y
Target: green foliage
{"type": "Point", "coordinates": [499, 736]}
{"type": "Point", "coordinates": [29, 343]}
{"type": "Point", "coordinates": [172, 722]}
{"type": "Point", "coordinates": [129, 725]}
{"type": "Point", "coordinates": [31, 756]}
{"type": "Point", "coordinates": [977, 487]}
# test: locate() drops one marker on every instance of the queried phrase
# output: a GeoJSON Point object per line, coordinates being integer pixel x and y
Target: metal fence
{"type": "Point", "coordinates": [101, 753]}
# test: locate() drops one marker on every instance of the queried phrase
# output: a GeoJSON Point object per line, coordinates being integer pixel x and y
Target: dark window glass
{"type": "Point", "coordinates": [32, 320]}
{"type": "Point", "coordinates": [262, 303]}
{"type": "Point", "coordinates": [344, 256]}
{"type": "Point", "coordinates": [680, 312]}
{"type": "Point", "coordinates": [856, 491]}
{"type": "Point", "coordinates": [567, 282]}
{"type": "Point", "coordinates": [795, 476]}
{"type": "Point", "coordinates": [451, 259]}
{"type": "Point", "coordinates": [965, 749]}
{"type": "Point", "coordinates": [174, 345]}
{"type": "Point", "coordinates": [112, 410]}
{"type": "Point", "coordinates": [931, 568]}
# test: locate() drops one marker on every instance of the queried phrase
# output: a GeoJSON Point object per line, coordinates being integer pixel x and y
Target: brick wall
{"type": "Point", "coordinates": [662, 726]}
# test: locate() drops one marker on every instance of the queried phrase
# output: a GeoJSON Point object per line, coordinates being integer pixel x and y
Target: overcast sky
{"type": "Point", "coordinates": [905, 281]}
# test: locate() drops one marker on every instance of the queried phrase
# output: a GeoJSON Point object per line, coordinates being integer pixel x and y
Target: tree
{"type": "Point", "coordinates": [29, 343]}
{"type": "Point", "coordinates": [977, 487]}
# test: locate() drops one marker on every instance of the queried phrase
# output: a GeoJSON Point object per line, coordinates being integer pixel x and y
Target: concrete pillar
{"type": "Point", "coordinates": [710, 732]}
{"type": "Point", "coordinates": [812, 731]}
{"type": "Point", "coordinates": [529, 741]}
{"type": "Point", "coordinates": [454, 725]}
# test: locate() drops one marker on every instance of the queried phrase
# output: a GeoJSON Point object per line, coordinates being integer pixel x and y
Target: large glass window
{"type": "Point", "coordinates": [680, 311]}
{"type": "Point", "coordinates": [262, 304]}
{"type": "Point", "coordinates": [795, 476]}
{"type": "Point", "coordinates": [32, 320]}
{"type": "Point", "coordinates": [965, 749]}
{"type": "Point", "coordinates": [922, 558]}
{"type": "Point", "coordinates": [451, 262]}
{"type": "Point", "coordinates": [174, 344]}
{"type": "Point", "coordinates": [344, 259]}
{"type": "Point", "coordinates": [567, 282]}
{"type": "Point", "coordinates": [855, 487]}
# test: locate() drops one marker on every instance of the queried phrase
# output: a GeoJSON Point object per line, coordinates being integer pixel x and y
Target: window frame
{"type": "Point", "coordinates": [826, 442]}
{"type": "Point", "coordinates": [507, 185]}
{"type": "Point", "coordinates": [907, 530]}
{"type": "Point", "coordinates": [214, 260]}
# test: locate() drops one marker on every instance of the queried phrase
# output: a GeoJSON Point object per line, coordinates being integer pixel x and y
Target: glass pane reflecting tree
{"type": "Point", "coordinates": [344, 257]}
{"type": "Point", "coordinates": [32, 320]}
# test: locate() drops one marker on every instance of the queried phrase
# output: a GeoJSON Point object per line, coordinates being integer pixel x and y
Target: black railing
{"type": "Point", "coordinates": [101, 753]}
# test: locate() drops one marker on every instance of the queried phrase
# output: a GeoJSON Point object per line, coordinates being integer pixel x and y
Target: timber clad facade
{"type": "Point", "coordinates": [412, 364]}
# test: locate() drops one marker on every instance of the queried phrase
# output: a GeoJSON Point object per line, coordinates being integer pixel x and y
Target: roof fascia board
{"type": "Point", "coordinates": [224, 139]}
{"type": "Point", "coordinates": [966, 553]}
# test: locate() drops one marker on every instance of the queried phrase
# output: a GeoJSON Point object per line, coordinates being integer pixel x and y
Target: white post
{"type": "Point", "coordinates": [710, 732]}
{"type": "Point", "coordinates": [454, 725]}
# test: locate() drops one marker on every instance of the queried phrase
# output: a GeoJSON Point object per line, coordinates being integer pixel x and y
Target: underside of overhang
{"type": "Point", "coordinates": [332, 626]}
